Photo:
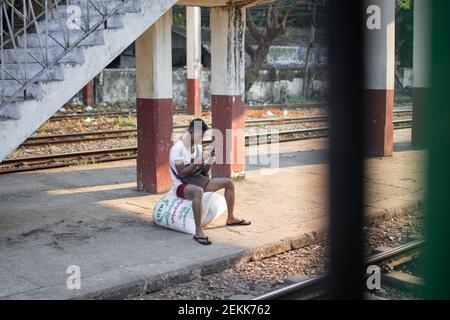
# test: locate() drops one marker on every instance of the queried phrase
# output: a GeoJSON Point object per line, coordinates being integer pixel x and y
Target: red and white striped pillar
{"type": "Point", "coordinates": [88, 94]}
{"type": "Point", "coordinates": [154, 105]}
{"type": "Point", "coordinates": [380, 75]}
{"type": "Point", "coordinates": [421, 62]}
{"type": "Point", "coordinates": [227, 88]}
{"type": "Point", "coordinates": [193, 60]}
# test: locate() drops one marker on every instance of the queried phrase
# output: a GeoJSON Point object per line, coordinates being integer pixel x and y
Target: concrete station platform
{"type": "Point", "coordinates": [93, 217]}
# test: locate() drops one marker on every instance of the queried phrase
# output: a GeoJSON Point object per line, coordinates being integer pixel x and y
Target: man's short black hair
{"type": "Point", "coordinates": [198, 122]}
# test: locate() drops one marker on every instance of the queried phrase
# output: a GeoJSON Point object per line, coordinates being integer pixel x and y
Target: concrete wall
{"type": "Point", "coordinates": [292, 56]}
{"type": "Point", "coordinates": [114, 86]}
{"type": "Point", "coordinates": [405, 76]}
{"type": "Point", "coordinates": [118, 86]}
{"type": "Point", "coordinates": [280, 85]}
{"type": "Point", "coordinates": [279, 56]}
{"type": "Point", "coordinates": [281, 81]}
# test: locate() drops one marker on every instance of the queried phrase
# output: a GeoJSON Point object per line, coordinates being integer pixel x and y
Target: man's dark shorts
{"type": "Point", "coordinates": [180, 190]}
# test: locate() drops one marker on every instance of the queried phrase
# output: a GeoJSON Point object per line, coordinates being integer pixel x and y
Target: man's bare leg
{"type": "Point", "coordinates": [195, 193]}
{"type": "Point", "coordinates": [227, 183]}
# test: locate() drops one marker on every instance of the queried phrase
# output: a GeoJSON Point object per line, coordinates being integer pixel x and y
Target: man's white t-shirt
{"type": "Point", "coordinates": [179, 152]}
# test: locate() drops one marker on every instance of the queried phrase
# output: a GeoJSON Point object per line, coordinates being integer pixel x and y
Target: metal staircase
{"type": "Point", "coordinates": [51, 48]}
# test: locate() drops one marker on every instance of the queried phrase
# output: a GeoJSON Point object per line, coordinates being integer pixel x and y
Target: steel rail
{"type": "Point", "coordinates": [320, 281]}
{"type": "Point", "coordinates": [49, 161]}
{"type": "Point", "coordinates": [130, 113]}
{"type": "Point", "coordinates": [127, 133]}
{"type": "Point", "coordinates": [78, 137]}
{"type": "Point", "coordinates": [14, 165]}
{"type": "Point", "coordinates": [123, 133]}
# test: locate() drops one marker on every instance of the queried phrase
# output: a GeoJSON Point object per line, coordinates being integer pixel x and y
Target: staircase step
{"type": "Point", "coordinates": [103, 2]}
{"type": "Point", "coordinates": [22, 55]}
{"type": "Point", "coordinates": [28, 70]}
{"type": "Point", "coordinates": [9, 112]}
{"type": "Point", "coordinates": [62, 11]}
{"type": "Point", "coordinates": [95, 38]}
{"type": "Point", "coordinates": [44, 98]}
{"type": "Point", "coordinates": [53, 25]}
{"type": "Point", "coordinates": [108, 4]}
{"type": "Point", "coordinates": [9, 87]}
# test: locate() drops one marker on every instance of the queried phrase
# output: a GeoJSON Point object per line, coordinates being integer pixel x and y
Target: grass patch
{"type": "Point", "coordinates": [83, 163]}
{"type": "Point", "coordinates": [125, 122]}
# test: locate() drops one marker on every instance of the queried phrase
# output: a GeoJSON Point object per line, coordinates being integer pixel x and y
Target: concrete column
{"type": "Point", "coordinates": [227, 88]}
{"type": "Point", "coordinates": [194, 60]}
{"type": "Point", "coordinates": [88, 94]}
{"type": "Point", "coordinates": [154, 105]}
{"type": "Point", "coordinates": [421, 61]}
{"type": "Point", "coordinates": [380, 75]}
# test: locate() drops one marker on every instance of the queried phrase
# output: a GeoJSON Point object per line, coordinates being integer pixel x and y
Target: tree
{"type": "Point", "coordinates": [404, 30]}
{"type": "Point", "coordinates": [404, 4]}
{"type": "Point", "coordinates": [273, 22]}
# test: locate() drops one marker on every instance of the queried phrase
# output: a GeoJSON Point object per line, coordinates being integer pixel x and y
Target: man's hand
{"type": "Point", "coordinates": [206, 155]}
{"type": "Point", "coordinates": [210, 161]}
{"type": "Point", "coordinates": [211, 149]}
{"type": "Point", "coordinates": [199, 159]}
{"type": "Point", "coordinates": [184, 171]}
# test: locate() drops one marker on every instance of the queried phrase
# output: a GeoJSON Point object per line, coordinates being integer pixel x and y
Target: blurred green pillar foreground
{"type": "Point", "coordinates": [438, 134]}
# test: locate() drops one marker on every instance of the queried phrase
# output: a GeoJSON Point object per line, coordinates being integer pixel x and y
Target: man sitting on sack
{"type": "Point", "coordinates": [189, 169]}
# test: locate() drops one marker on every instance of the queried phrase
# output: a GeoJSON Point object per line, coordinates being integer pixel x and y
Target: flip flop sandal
{"type": "Point", "coordinates": [240, 222]}
{"type": "Point", "coordinates": [202, 240]}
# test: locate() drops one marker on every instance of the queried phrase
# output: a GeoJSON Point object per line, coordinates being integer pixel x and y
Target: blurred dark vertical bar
{"type": "Point", "coordinates": [437, 272]}
{"type": "Point", "coordinates": [346, 148]}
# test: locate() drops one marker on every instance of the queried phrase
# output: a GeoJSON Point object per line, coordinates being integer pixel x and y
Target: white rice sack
{"type": "Point", "coordinates": [213, 206]}
{"type": "Point", "coordinates": [176, 213]}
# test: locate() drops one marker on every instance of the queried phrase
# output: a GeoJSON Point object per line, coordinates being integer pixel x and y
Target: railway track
{"type": "Point", "coordinates": [130, 133]}
{"type": "Point", "coordinates": [129, 113]}
{"type": "Point", "coordinates": [89, 115]}
{"type": "Point", "coordinates": [95, 156]}
{"type": "Point", "coordinates": [316, 287]}
{"type": "Point", "coordinates": [78, 137]}
{"type": "Point", "coordinates": [115, 114]}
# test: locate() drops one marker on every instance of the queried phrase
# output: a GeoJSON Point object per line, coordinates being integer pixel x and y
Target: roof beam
{"type": "Point", "coordinates": [220, 3]}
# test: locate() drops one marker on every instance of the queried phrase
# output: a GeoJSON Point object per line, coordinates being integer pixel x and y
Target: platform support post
{"type": "Point", "coordinates": [194, 60]}
{"type": "Point", "coordinates": [380, 75]}
{"type": "Point", "coordinates": [421, 58]}
{"type": "Point", "coordinates": [88, 94]}
{"type": "Point", "coordinates": [154, 105]}
{"type": "Point", "coordinates": [228, 86]}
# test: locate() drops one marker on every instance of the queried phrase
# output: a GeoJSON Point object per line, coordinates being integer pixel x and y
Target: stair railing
{"type": "Point", "coordinates": [20, 18]}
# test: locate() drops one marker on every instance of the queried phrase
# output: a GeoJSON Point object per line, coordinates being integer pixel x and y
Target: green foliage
{"type": "Point", "coordinates": [125, 122]}
{"type": "Point", "coordinates": [297, 18]}
{"type": "Point", "coordinates": [82, 163]}
{"type": "Point", "coordinates": [404, 4]}
{"type": "Point", "coordinates": [295, 100]}
{"type": "Point", "coordinates": [179, 19]}
{"type": "Point", "coordinates": [259, 17]}
{"type": "Point", "coordinates": [404, 29]}
{"type": "Point", "coordinates": [288, 34]}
